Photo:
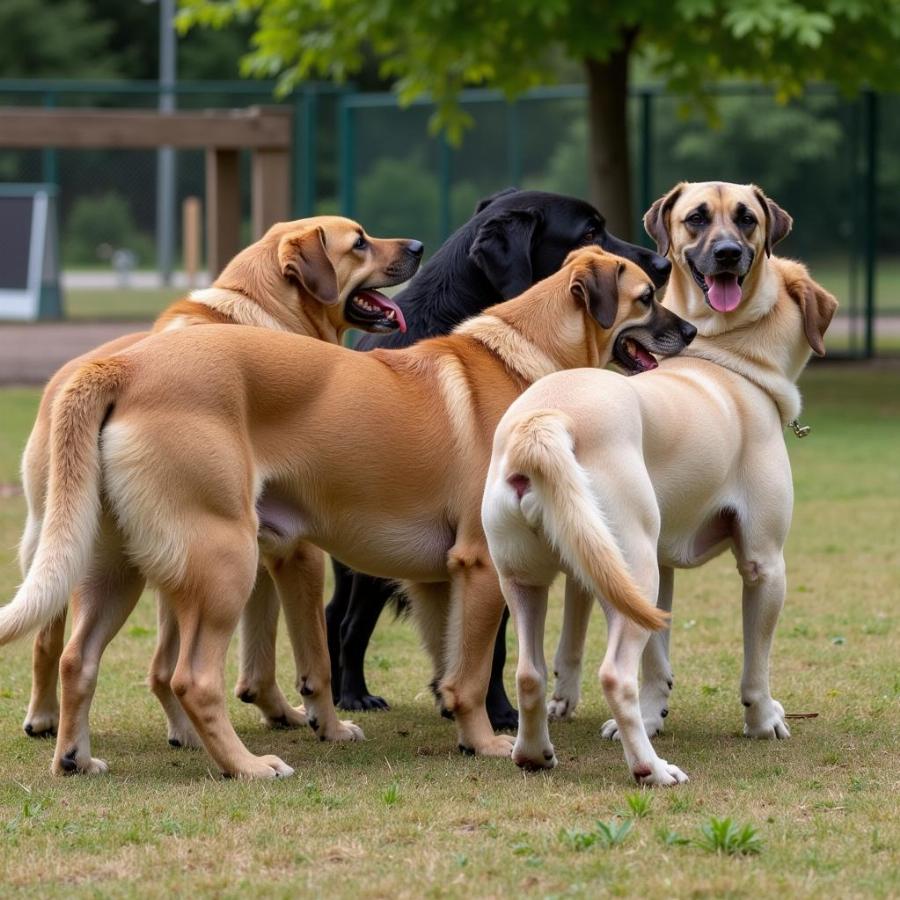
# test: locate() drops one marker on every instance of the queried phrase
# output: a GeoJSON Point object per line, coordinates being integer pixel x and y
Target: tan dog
{"type": "Point", "coordinates": [311, 276]}
{"type": "Point", "coordinates": [645, 475]}
{"type": "Point", "coordinates": [378, 458]}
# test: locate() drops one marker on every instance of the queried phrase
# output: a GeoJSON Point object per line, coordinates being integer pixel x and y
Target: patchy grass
{"type": "Point", "coordinates": [404, 815]}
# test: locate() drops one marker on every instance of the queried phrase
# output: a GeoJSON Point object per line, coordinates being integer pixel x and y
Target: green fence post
{"type": "Point", "coordinates": [49, 157]}
{"type": "Point", "coordinates": [445, 164]}
{"type": "Point", "coordinates": [646, 190]}
{"type": "Point", "coordinates": [347, 155]}
{"type": "Point", "coordinates": [513, 144]}
{"type": "Point", "coordinates": [870, 223]}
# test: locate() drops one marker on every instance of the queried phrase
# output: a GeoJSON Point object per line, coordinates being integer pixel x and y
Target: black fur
{"type": "Point", "coordinates": [514, 239]}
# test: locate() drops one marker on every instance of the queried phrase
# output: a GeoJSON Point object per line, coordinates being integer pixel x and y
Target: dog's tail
{"type": "Point", "coordinates": [71, 517]}
{"type": "Point", "coordinates": [555, 496]}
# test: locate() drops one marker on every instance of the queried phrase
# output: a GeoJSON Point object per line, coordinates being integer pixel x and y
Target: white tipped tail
{"type": "Point", "coordinates": [540, 447]}
{"type": "Point", "coordinates": [73, 499]}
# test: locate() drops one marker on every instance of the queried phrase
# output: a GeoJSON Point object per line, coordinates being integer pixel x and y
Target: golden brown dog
{"type": "Point", "coordinates": [311, 276]}
{"type": "Point", "coordinates": [185, 458]}
{"type": "Point", "coordinates": [661, 472]}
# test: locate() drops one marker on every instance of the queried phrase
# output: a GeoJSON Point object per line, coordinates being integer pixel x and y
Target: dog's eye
{"type": "Point", "coordinates": [747, 219]}
{"type": "Point", "coordinates": [647, 297]}
{"type": "Point", "coordinates": [360, 243]}
{"type": "Point", "coordinates": [590, 235]}
{"type": "Point", "coordinates": [695, 219]}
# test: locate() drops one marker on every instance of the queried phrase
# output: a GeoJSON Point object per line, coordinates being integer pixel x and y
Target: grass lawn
{"type": "Point", "coordinates": [139, 305]}
{"type": "Point", "coordinates": [404, 815]}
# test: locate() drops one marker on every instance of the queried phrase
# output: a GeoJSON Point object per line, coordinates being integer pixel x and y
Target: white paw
{"type": "Point", "coordinates": [289, 717]}
{"type": "Point", "coordinates": [534, 758]}
{"type": "Point", "coordinates": [496, 745]}
{"type": "Point", "coordinates": [765, 721]}
{"type": "Point", "coordinates": [652, 723]}
{"type": "Point", "coordinates": [71, 765]}
{"type": "Point", "coordinates": [659, 773]}
{"type": "Point", "coordinates": [560, 709]}
{"type": "Point", "coordinates": [261, 767]}
{"type": "Point", "coordinates": [41, 724]}
{"type": "Point", "coordinates": [344, 730]}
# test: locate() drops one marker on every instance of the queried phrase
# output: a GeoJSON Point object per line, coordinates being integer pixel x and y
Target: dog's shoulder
{"type": "Point", "coordinates": [185, 312]}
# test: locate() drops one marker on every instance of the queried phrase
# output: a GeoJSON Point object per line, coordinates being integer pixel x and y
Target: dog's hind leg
{"type": "Point", "coordinates": [335, 613]}
{"type": "Point", "coordinates": [42, 718]}
{"type": "Point", "coordinates": [258, 632]}
{"type": "Point", "coordinates": [208, 604]}
{"type": "Point", "coordinates": [299, 577]}
{"type": "Point", "coordinates": [475, 612]}
{"type": "Point", "coordinates": [181, 732]}
{"type": "Point", "coordinates": [528, 605]}
{"type": "Point", "coordinates": [570, 651]}
{"type": "Point", "coordinates": [100, 606]}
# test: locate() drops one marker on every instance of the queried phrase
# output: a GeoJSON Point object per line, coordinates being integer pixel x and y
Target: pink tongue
{"type": "Point", "coordinates": [646, 359]}
{"type": "Point", "coordinates": [724, 292]}
{"type": "Point", "coordinates": [384, 302]}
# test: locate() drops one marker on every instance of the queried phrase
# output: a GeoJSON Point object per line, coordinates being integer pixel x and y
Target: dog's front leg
{"type": "Point", "coordinates": [528, 605]}
{"type": "Point", "coordinates": [258, 632]}
{"type": "Point", "coordinates": [763, 599]}
{"type": "Point", "coordinates": [299, 578]}
{"type": "Point", "coordinates": [569, 653]}
{"type": "Point", "coordinates": [476, 609]}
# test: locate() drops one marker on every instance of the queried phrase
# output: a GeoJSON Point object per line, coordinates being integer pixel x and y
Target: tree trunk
{"type": "Point", "coordinates": [609, 166]}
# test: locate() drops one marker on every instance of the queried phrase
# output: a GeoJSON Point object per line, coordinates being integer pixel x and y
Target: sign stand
{"type": "Point", "coordinates": [29, 261]}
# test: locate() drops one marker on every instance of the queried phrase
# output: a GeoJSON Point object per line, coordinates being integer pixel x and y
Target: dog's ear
{"type": "Point", "coordinates": [304, 261]}
{"type": "Point", "coordinates": [656, 219]}
{"type": "Point", "coordinates": [502, 250]}
{"type": "Point", "coordinates": [817, 307]}
{"type": "Point", "coordinates": [487, 201]}
{"type": "Point", "coordinates": [778, 222]}
{"type": "Point", "coordinates": [596, 285]}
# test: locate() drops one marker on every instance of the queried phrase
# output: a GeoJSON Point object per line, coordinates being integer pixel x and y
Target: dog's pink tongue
{"type": "Point", "coordinates": [724, 292]}
{"type": "Point", "coordinates": [385, 302]}
{"type": "Point", "coordinates": [646, 359]}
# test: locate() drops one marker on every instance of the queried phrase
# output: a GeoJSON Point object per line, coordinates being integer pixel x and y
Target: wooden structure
{"type": "Point", "coordinates": [265, 131]}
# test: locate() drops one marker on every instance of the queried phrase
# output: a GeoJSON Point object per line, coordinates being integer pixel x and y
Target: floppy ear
{"type": "Point", "coordinates": [304, 261]}
{"type": "Point", "coordinates": [597, 287]}
{"type": "Point", "coordinates": [502, 250]}
{"type": "Point", "coordinates": [817, 307]}
{"type": "Point", "coordinates": [778, 222]}
{"type": "Point", "coordinates": [656, 219]}
{"type": "Point", "coordinates": [487, 201]}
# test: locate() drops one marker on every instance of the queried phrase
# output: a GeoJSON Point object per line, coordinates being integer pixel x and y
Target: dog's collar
{"type": "Point", "coordinates": [237, 306]}
{"type": "Point", "coordinates": [516, 351]}
{"type": "Point", "coordinates": [784, 393]}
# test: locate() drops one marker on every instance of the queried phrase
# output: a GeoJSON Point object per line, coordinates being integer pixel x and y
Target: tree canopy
{"type": "Point", "coordinates": [441, 46]}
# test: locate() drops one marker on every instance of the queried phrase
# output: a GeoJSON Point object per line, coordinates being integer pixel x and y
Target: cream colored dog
{"type": "Point", "coordinates": [193, 456]}
{"type": "Point", "coordinates": [615, 478]}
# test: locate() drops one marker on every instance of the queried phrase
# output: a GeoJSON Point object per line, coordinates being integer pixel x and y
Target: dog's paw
{"type": "Point", "coordinates": [343, 730]}
{"type": "Point", "coordinates": [260, 767]}
{"type": "Point", "coordinates": [41, 724]}
{"type": "Point", "coordinates": [496, 745]}
{"type": "Point", "coordinates": [506, 719]}
{"type": "Point", "coordinates": [534, 758]}
{"type": "Point", "coordinates": [765, 721]}
{"type": "Point", "coordinates": [71, 764]}
{"type": "Point", "coordinates": [658, 773]}
{"type": "Point", "coordinates": [560, 709]}
{"type": "Point", "coordinates": [184, 737]}
{"type": "Point", "coordinates": [288, 717]}
{"type": "Point", "coordinates": [361, 702]}
{"type": "Point", "coordinates": [653, 724]}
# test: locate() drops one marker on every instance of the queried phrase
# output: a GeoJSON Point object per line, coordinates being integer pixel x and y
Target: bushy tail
{"type": "Point", "coordinates": [561, 502]}
{"type": "Point", "coordinates": [73, 499]}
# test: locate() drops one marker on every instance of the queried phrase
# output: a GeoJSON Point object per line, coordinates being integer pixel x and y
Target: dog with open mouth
{"type": "Point", "coordinates": [621, 481]}
{"type": "Point", "coordinates": [318, 277]}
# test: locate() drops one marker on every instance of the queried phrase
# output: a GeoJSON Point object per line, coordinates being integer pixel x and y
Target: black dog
{"type": "Point", "coordinates": [515, 239]}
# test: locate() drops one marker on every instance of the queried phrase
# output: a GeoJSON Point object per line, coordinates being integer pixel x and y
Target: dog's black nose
{"type": "Point", "coordinates": [727, 251]}
{"type": "Point", "coordinates": [416, 248]}
{"type": "Point", "coordinates": [688, 331]}
{"type": "Point", "coordinates": [661, 268]}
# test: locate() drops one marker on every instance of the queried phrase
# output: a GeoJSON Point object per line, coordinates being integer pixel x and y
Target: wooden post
{"type": "Point", "coordinates": [223, 208]}
{"type": "Point", "coordinates": [190, 238]}
{"type": "Point", "coordinates": [271, 189]}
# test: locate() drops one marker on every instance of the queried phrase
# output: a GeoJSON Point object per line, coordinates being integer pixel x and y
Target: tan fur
{"type": "Point", "coordinates": [679, 464]}
{"type": "Point", "coordinates": [254, 289]}
{"type": "Point", "coordinates": [352, 452]}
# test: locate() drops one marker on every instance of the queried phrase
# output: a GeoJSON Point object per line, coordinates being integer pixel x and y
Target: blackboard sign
{"type": "Point", "coordinates": [29, 252]}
